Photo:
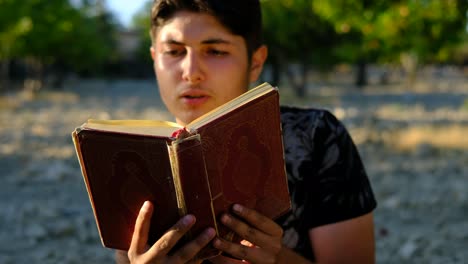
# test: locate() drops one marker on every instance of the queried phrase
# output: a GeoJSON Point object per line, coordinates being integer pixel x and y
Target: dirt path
{"type": "Point", "coordinates": [422, 215]}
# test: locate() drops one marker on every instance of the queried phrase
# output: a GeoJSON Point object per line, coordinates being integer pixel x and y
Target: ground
{"type": "Point", "coordinates": [413, 143]}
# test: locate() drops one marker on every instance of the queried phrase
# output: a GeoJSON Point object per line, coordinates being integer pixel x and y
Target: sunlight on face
{"type": "Point", "coordinates": [199, 65]}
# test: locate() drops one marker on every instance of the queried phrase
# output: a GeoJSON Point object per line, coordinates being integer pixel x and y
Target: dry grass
{"type": "Point", "coordinates": [452, 137]}
{"type": "Point", "coordinates": [406, 139]}
{"type": "Point", "coordinates": [8, 103]}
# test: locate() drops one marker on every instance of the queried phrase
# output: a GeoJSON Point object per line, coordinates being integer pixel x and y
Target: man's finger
{"type": "Point", "coordinates": [142, 226]}
{"type": "Point", "coordinates": [258, 220]}
{"type": "Point", "coordinates": [189, 251]}
{"type": "Point", "coordinates": [250, 233]}
{"type": "Point", "coordinates": [172, 236]}
{"type": "Point", "coordinates": [254, 255]}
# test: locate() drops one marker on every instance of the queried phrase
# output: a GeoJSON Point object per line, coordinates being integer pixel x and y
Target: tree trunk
{"type": "Point", "coordinates": [4, 75]}
{"type": "Point", "coordinates": [298, 83]}
{"type": "Point", "coordinates": [35, 75]}
{"type": "Point", "coordinates": [275, 70]}
{"type": "Point", "coordinates": [302, 89]}
{"type": "Point", "coordinates": [361, 74]}
{"type": "Point", "coordinates": [410, 61]}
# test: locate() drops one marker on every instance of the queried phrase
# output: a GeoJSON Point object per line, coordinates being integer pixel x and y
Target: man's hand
{"type": "Point", "coordinates": [158, 253]}
{"type": "Point", "coordinates": [262, 237]}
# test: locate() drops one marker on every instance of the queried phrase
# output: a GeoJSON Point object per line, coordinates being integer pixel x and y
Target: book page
{"type": "Point", "coordinates": [231, 105]}
{"type": "Point", "coordinates": [138, 127]}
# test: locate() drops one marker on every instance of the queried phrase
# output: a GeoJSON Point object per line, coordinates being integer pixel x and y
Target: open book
{"type": "Point", "coordinates": [233, 154]}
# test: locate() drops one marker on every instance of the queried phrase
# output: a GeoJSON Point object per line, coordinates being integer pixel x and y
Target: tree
{"type": "Point", "coordinates": [392, 30]}
{"type": "Point", "coordinates": [141, 22]}
{"type": "Point", "coordinates": [295, 33]}
{"type": "Point", "coordinates": [54, 32]}
{"type": "Point", "coordinates": [13, 25]}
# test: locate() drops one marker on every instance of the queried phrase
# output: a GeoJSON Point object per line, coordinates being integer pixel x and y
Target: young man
{"type": "Point", "coordinates": [207, 52]}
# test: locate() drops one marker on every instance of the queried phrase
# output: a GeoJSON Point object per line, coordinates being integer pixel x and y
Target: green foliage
{"type": "Point", "coordinates": [328, 31]}
{"type": "Point", "coordinates": [310, 33]}
{"type": "Point", "coordinates": [55, 31]}
{"type": "Point", "coordinates": [292, 29]}
{"type": "Point", "coordinates": [388, 28]}
{"type": "Point", "coordinates": [142, 23]}
{"type": "Point", "coordinates": [460, 53]}
{"type": "Point", "coordinates": [13, 25]}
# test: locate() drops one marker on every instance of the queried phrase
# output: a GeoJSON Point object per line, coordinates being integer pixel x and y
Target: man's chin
{"type": "Point", "coordinates": [188, 118]}
{"type": "Point", "coordinates": [184, 115]}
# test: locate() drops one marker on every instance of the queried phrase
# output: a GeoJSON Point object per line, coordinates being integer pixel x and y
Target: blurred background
{"type": "Point", "coordinates": [395, 72]}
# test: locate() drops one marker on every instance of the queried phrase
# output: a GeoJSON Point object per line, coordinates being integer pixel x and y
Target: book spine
{"type": "Point", "coordinates": [172, 149]}
{"type": "Point", "coordinates": [192, 187]}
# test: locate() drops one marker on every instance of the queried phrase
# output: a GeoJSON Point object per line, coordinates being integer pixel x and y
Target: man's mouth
{"type": "Point", "coordinates": [194, 99]}
{"type": "Point", "coordinates": [193, 96]}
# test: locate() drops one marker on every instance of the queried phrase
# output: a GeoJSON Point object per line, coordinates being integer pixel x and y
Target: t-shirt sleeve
{"type": "Point", "coordinates": [339, 188]}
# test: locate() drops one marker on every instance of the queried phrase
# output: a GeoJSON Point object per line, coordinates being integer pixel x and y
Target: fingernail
{"type": "Point", "coordinates": [210, 233]}
{"type": "Point", "coordinates": [188, 219]}
{"type": "Point", "coordinates": [217, 243]}
{"type": "Point", "coordinates": [146, 206]}
{"type": "Point", "coordinates": [237, 208]}
{"type": "Point", "coordinates": [225, 218]}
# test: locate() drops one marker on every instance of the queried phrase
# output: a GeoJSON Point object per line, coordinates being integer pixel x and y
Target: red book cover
{"type": "Point", "coordinates": [235, 155]}
{"type": "Point", "coordinates": [245, 147]}
{"type": "Point", "coordinates": [121, 171]}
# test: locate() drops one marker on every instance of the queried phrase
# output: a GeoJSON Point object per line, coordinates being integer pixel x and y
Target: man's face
{"type": "Point", "coordinates": [200, 65]}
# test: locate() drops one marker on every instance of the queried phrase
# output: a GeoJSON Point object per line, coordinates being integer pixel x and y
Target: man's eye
{"type": "Point", "coordinates": [217, 52]}
{"type": "Point", "coordinates": [173, 52]}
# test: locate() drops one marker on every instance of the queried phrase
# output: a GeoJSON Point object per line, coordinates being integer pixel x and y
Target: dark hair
{"type": "Point", "coordinates": [240, 17]}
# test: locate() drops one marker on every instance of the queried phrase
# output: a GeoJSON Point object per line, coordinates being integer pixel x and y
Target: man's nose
{"type": "Point", "coordinates": [192, 70]}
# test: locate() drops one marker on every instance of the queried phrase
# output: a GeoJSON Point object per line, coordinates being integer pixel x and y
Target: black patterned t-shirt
{"type": "Point", "coordinates": [327, 180]}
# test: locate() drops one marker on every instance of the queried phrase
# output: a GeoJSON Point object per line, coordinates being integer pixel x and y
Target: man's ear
{"type": "Point", "coordinates": [258, 59]}
{"type": "Point", "coordinates": [153, 52]}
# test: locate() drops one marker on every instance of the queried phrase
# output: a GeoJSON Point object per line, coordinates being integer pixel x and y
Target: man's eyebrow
{"type": "Point", "coordinates": [172, 41]}
{"type": "Point", "coordinates": [206, 41]}
{"type": "Point", "coordinates": [216, 41]}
